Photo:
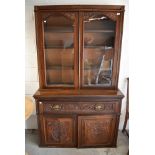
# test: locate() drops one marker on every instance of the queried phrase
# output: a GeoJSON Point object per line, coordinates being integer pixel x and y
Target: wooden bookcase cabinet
{"type": "Point", "coordinates": [78, 47]}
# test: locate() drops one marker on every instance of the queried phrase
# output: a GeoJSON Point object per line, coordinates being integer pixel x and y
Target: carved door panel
{"type": "Point", "coordinates": [59, 131]}
{"type": "Point", "coordinates": [96, 130]}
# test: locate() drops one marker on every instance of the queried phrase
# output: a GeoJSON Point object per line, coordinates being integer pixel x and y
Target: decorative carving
{"type": "Point", "coordinates": [56, 107]}
{"type": "Point", "coordinates": [58, 131]}
{"type": "Point", "coordinates": [109, 107]}
{"type": "Point", "coordinates": [111, 15]}
{"type": "Point", "coordinates": [97, 131]}
{"type": "Point", "coordinates": [70, 15]}
{"type": "Point", "coordinates": [86, 106]}
{"type": "Point", "coordinates": [89, 16]}
{"type": "Point", "coordinates": [80, 107]}
{"type": "Point", "coordinates": [98, 128]}
{"type": "Point", "coordinates": [55, 130]}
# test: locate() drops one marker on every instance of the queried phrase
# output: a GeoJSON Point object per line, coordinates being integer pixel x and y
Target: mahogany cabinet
{"type": "Point", "coordinates": [78, 48]}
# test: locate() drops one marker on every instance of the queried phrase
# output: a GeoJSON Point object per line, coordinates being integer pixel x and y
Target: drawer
{"type": "Point", "coordinates": [79, 107]}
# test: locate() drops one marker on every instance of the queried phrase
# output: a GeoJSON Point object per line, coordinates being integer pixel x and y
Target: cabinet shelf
{"type": "Point", "coordinates": [61, 84]}
{"type": "Point", "coordinates": [98, 85]}
{"type": "Point", "coordinates": [58, 47]}
{"type": "Point", "coordinates": [70, 30]}
{"type": "Point", "coordinates": [96, 67]}
{"type": "Point", "coordinates": [58, 67]}
{"type": "Point", "coordinates": [59, 30]}
{"type": "Point", "coordinates": [86, 46]}
{"type": "Point", "coordinates": [98, 46]}
{"type": "Point", "coordinates": [98, 31]}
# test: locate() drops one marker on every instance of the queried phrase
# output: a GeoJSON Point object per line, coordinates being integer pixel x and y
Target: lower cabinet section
{"type": "Point", "coordinates": [96, 130]}
{"type": "Point", "coordinates": [78, 130]}
{"type": "Point", "coordinates": [59, 131]}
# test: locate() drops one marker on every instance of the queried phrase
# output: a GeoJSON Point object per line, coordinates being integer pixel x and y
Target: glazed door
{"type": "Point", "coordinates": [98, 49]}
{"type": "Point", "coordinates": [58, 45]}
{"type": "Point", "coordinates": [96, 130]}
{"type": "Point", "coordinates": [59, 131]}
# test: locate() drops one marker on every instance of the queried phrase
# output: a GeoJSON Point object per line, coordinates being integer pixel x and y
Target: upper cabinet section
{"type": "Point", "coordinates": [78, 46]}
{"type": "Point", "coordinates": [98, 52]}
{"type": "Point", "coordinates": [57, 50]}
{"type": "Point", "coordinates": [59, 47]}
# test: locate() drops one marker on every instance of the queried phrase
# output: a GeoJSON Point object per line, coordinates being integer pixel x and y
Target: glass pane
{"type": "Point", "coordinates": [59, 48]}
{"type": "Point", "coordinates": [99, 38]}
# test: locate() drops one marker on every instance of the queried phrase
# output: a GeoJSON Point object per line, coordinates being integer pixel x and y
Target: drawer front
{"type": "Point", "coordinates": [80, 107]}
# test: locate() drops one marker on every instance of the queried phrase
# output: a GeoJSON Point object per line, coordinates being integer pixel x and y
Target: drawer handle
{"type": "Point", "coordinates": [55, 107]}
{"type": "Point", "coordinates": [98, 107]}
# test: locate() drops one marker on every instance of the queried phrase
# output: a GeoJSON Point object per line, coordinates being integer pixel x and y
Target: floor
{"type": "Point", "coordinates": [32, 148]}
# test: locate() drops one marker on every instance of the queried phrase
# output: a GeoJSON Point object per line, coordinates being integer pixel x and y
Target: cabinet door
{"type": "Point", "coordinates": [96, 131]}
{"type": "Point", "coordinates": [99, 49]}
{"type": "Point", "coordinates": [59, 131]}
{"type": "Point", "coordinates": [58, 48]}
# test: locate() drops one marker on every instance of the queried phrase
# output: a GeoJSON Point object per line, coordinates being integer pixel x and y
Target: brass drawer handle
{"type": "Point", "coordinates": [55, 107]}
{"type": "Point", "coordinates": [98, 107]}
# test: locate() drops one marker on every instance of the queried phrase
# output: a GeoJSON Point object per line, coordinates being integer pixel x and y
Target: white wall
{"type": "Point", "coordinates": [31, 74]}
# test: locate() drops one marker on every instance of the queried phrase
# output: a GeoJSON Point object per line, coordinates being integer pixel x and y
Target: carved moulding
{"type": "Point", "coordinates": [80, 107]}
{"type": "Point", "coordinates": [99, 16]}
{"type": "Point", "coordinates": [58, 131]}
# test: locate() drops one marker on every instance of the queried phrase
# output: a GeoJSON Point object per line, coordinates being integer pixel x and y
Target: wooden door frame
{"type": "Point", "coordinates": [118, 18]}
{"type": "Point", "coordinates": [41, 51]}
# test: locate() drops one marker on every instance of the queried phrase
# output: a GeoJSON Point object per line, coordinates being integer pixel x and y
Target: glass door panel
{"type": "Point", "coordinates": [99, 39]}
{"type": "Point", "coordinates": [59, 35]}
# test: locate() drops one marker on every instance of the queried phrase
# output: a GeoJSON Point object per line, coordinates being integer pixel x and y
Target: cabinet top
{"type": "Point", "coordinates": [45, 93]}
{"type": "Point", "coordinates": [80, 7]}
